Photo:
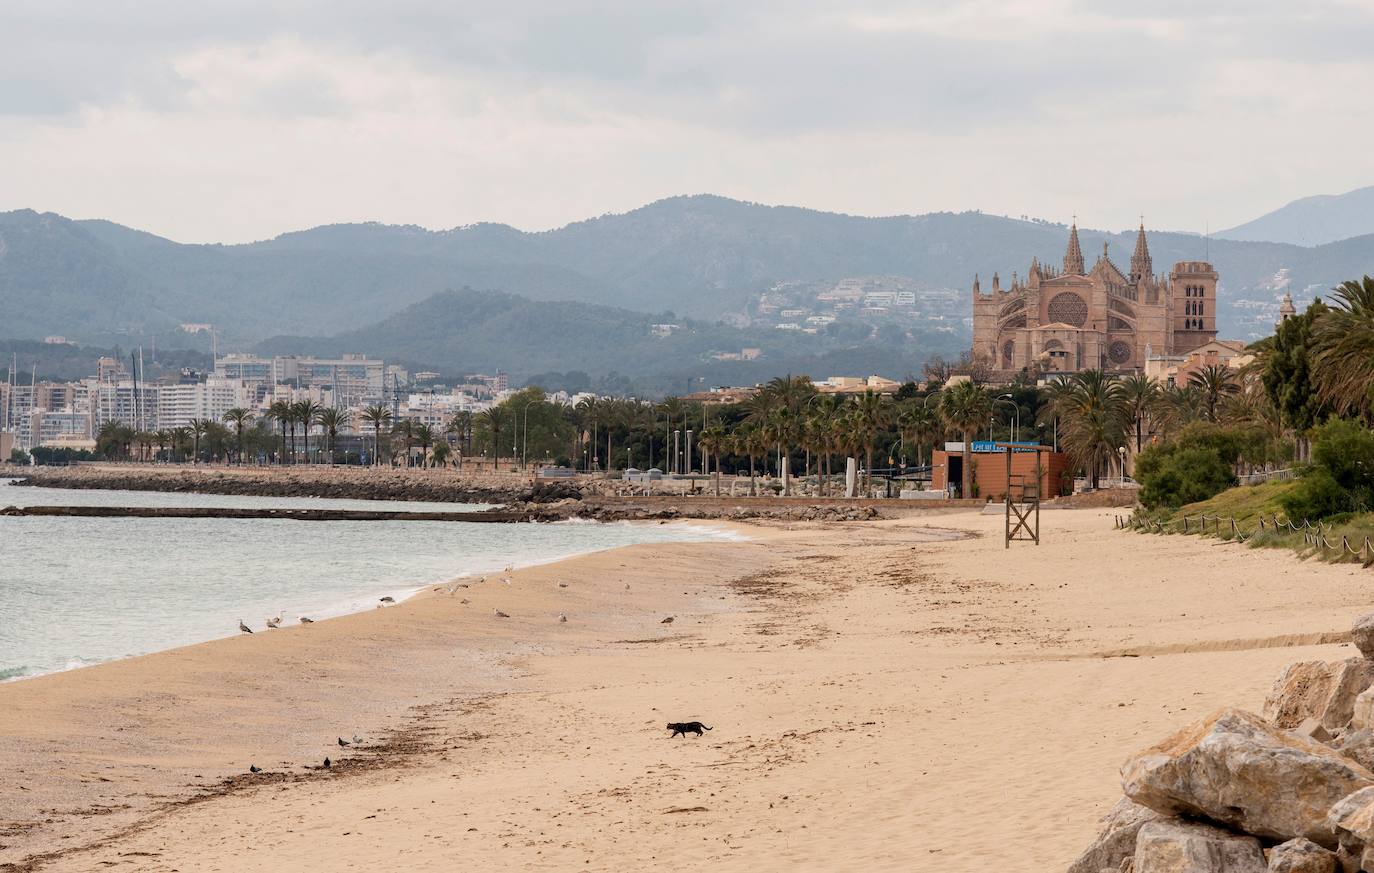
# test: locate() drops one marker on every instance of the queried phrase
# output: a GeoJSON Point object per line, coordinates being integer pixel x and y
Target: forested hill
{"type": "Point", "coordinates": [611, 349]}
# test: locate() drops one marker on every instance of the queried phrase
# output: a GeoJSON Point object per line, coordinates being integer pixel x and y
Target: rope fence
{"type": "Point", "coordinates": [1314, 536]}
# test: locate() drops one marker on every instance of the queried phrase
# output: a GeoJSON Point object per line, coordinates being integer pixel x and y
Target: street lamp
{"type": "Point", "coordinates": [1121, 451]}
{"type": "Point", "coordinates": [1016, 422]}
{"type": "Point", "coordinates": [677, 456]}
{"type": "Point", "coordinates": [687, 457]}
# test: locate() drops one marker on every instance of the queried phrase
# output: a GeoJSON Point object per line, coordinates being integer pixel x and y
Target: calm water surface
{"type": "Point", "coordinates": [78, 591]}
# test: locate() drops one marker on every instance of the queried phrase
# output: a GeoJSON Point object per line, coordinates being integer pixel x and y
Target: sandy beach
{"type": "Point", "coordinates": [894, 695]}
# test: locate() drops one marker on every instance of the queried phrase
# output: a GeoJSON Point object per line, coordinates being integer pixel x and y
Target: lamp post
{"type": "Point", "coordinates": [525, 443]}
{"type": "Point", "coordinates": [1016, 422]}
{"type": "Point", "coordinates": [676, 465]}
{"type": "Point", "coordinates": [1121, 451]}
{"type": "Point", "coordinates": [687, 456]}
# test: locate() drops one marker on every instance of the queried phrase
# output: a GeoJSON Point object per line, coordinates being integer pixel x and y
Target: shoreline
{"type": "Point", "coordinates": [873, 689]}
{"type": "Point", "coordinates": [710, 530]}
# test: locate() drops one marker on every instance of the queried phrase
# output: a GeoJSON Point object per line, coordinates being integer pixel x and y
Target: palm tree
{"type": "Point", "coordinates": [916, 424]}
{"type": "Point", "coordinates": [965, 407]}
{"type": "Point", "coordinates": [872, 415]}
{"type": "Point", "coordinates": [198, 428]}
{"type": "Point", "coordinates": [238, 417]}
{"type": "Point", "coordinates": [306, 411]}
{"type": "Point", "coordinates": [405, 429]}
{"type": "Point", "coordinates": [377, 415]}
{"type": "Point", "coordinates": [441, 452]}
{"type": "Point", "coordinates": [331, 419]}
{"type": "Point", "coordinates": [180, 436]}
{"type": "Point", "coordinates": [493, 421]}
{"type": "Point", "coordinates": [750, 440]}
{"type": "Point", "coordinates": [1096, 417]}
{"type": "Point", "coordinates": [1177, 407]}
{"type": "Point", "coordinates": [281, 412]}
{"type": "Point", "coordinates": [713, 441]}
{"type": "Point", "coordinates": [461, 424]}
{"type": "Point", "coordinates": [1141, 393]}
{"type": "Point", "coordinates": [163, 438]}
{"type": "Point", "coordinates": [424, 435]}
{"type": "Point", "coordinates": [1216, 382]}
{"type": "Point", "coordinates": [1343, 348]}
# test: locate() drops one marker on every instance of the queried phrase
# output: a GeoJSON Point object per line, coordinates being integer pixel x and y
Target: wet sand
{"type": "Point", "coordinates": [895, 695]}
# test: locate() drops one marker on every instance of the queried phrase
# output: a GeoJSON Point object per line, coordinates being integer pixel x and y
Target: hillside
{"type": "Point", "coordinates": [1312, 221]}
{"type": "Point", "coordinates": [701, 256]}
{"type": "Point", "coordinates": [613, 349]}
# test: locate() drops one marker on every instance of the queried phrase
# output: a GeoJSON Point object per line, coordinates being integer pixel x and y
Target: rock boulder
{"type": "Point", "coordinates": [1362, 634]}
{"type": "Point", "coordinates": [1301, 856]}
{"type": "Point", "coordinates": [1173, 846]}
{"type": "Point", "coordinates": [1237, 769]}
{"type": "Point", "coordinates": [1318, 690]}
{"type": "Point", "coordinates": [1116, 841]}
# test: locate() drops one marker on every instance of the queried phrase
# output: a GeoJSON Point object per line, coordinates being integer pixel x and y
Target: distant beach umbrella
{"type": "Point", "coordinates": [244, 628]}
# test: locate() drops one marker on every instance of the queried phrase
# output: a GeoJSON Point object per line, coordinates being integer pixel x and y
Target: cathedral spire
{"type": "Point", "coordinates": [1141, 265]}
{"type": "Point", "coordinates": [1073, 258]}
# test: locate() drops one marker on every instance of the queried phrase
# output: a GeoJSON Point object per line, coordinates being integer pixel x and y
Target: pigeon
{"type": "Point", "coordinates": [357, 739]}
{"type": "Point", "coordinates": [254, 768]}
{"type": "Point", "coordinates": [562, 617]}
{"type": "Point", "coordinates": [343, 743]}
{"type": "Point", "coordinates": [326, 763]}
{"type": "Point", "coordinates": [562, 584]}
{"type": "Point", "coordinates": [244, 628]}
{"type": "Point", "coordinates": [668, 620]}
{"type": "Point", "coordinates": [627, 586]}
{"type": "Point", "coordinates": [305, 620]}
{"type": "Point", "coordinates": [388, 599]}
{"type": "Point", "coordinates": [500, 614]}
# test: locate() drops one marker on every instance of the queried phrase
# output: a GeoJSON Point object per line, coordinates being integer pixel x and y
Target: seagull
{"type": "Point", "coordinates": [274, 622]}
{"type": "Point", "coordinates": [244, 628]}
{"type": "Point", "coordinates": [326, 763]}
{"type": "Point", "coordinates": [500, 614]}
{"type": "Point", "coordinates": [254, 768]}
{"type": "Point", "coordinates": [510, 567]}
{"type": "Point", "coordinates": [562, 617]}
{"type": "Point", "coordinates": [305, 620]}
{"type": "Point", "coordinates": [668, 620]}
{"type": "Point", "coordinates": [562, 584]}
{"type": "Point", "coordinates": [388, 599]}
{"type": "Point", "coordinates": [343, 743]}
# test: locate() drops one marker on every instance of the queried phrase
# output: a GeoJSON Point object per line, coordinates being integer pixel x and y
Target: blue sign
{"type": "Point", "coordinates": [990, 446]}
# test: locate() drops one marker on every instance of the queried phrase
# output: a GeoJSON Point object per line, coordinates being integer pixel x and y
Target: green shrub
{"type": "Point", "coordinates": [1174, 475]}
{"type": "Point", "coordinates": [1340, 478]}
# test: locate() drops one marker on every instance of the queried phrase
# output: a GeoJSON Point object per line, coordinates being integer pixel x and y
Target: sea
{"type": "Point", "coordinates": [80, 591]}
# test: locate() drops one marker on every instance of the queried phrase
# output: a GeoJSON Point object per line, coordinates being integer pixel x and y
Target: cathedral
{"type": "Point", "coordinates": [1100, 318]}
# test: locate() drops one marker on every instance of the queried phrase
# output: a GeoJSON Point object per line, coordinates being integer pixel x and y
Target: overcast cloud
{"type": "Point", "coordinates": [217, 121]}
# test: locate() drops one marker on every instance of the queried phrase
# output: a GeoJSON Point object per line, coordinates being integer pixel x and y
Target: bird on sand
{"type": "Point", "coordinates": [627, 586]}
{"type": "Point", "coordinates": [562, 584]}
{"type": "Point", "coordinates": [465, 601]}
{"type": "Point", "coordinates": [357, 739]}
{"type": "Point", "coordinates": [274, 622]}
{"type": "Point", "coordinates": [668, 620]}
{"type": "Point", "coordinates": [507, 579]}
{"type": "Point", "coordinates": [388, 599]}
{"type": "Point", "coordinates": [244, 628]}
{"type": "Point", "coordinates": [254, 768]}
{"type": "Point", "coordinates": [343, 743]}
{"type": "Point", "coordinates": [305, 620]}
{"type": "Point", "coordinates": [326, 763]}
{"type": "Point", "coordinates": [562, 617]}
{"type": "Point", "coordinates": [500, 614]}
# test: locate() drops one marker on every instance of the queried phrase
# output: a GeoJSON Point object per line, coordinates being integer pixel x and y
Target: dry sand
{"type": "Point", "coordinates": [899, 695]}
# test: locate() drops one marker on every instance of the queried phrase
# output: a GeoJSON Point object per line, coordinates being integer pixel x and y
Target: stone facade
{"type": "Point", "coordinates": [1078, 319]}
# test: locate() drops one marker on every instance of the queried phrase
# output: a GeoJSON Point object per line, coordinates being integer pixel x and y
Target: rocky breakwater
{"type": "Point", "coordinates": [355, 483]}
{"type": "Point", "coordinates": [1290, 789]}
{"type": "Point", "coordinates": [630, 511]}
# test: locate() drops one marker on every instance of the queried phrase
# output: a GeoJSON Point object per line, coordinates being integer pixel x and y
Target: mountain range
{"type": "Point", "coordinates": [1312, 221]}
{"type": "Point", "coordinates": [381, 288]}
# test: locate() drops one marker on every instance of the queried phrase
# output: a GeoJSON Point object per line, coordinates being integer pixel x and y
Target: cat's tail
{"type": "Point", "coordinates": [706, 727]}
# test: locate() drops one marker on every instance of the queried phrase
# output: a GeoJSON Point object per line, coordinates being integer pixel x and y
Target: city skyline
{"type": "Point", "coordinates": [234, 123]}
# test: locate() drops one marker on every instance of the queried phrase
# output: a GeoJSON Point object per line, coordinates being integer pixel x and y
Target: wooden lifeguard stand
{"type": "Point", "coordinates": [1023, 515]}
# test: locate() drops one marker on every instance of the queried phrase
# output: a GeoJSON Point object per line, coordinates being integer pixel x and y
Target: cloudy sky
{"type": "Point", "coordinates": [217, 121]}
